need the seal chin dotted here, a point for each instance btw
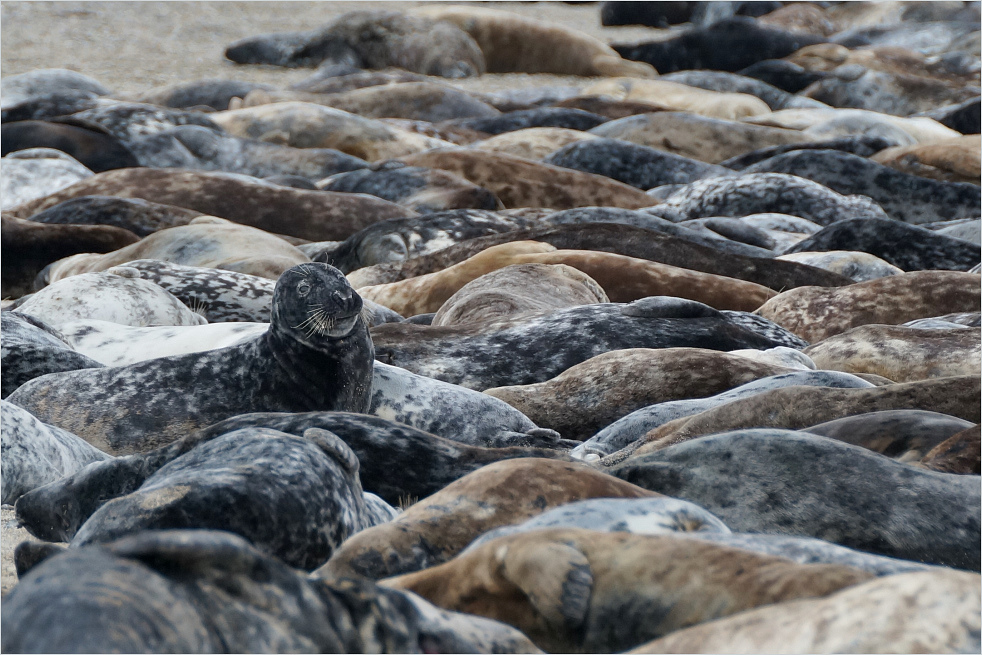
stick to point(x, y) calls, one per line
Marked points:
point(342, 327)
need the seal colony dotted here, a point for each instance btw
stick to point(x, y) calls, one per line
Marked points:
point(428, 352)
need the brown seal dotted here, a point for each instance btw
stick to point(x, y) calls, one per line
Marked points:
point(524, 183)
point(313, 215)
point(533, 142)
point(800, 17)
point(682, 97)
point(923, 612)
point(624, 279)
point(901, 354)
point(951, 160)
point(438, 527)
point(957, 454)
point(589, 396)
point(582, 591)
point(28, 247)
point(516, 290)
point(815, 313)
point(796, 408)
point(512, 43)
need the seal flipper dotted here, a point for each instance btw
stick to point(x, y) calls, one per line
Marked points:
point(29, 554)
point(335, 447)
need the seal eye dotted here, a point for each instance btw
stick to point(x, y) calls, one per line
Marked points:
point(303, 288)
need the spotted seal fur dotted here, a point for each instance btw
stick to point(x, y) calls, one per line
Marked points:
point(316, 355)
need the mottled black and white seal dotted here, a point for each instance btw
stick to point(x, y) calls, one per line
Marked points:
point(769, 192)
point(535, 348)
point(862, 145)
point(32, 174)
point(369, 39)
point(140, 217)
point(573, 119)
point(856, 265)
point(35, 454)
point(296, 498)
point(316, 355)
point(194, 591)
point(794, 483)
point(908, 247)
point(30, 348)
point(89, 144)
point(129, 120)
point(624, 431)
point(396, 462)
point(215, 93)
point(630, 163)
point(906, 197)
point(729, 82)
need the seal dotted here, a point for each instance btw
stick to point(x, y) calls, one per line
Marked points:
point(534, 349)
point(207, 241)
point(437, 528)
point(316, 355)
point(533, 142)
point(862, 145)
point(710, 140)
point(140, 217)
point(313, 215)
point(624, 279)
point(962, 117)
point(397, 462)
point(836, 123)
point(519, 182)
point(370, 39)
point(90, 145)
point(47, 81)
point(188, 591)
point(903, 434)
point(728, 45)
point(28, 247)
point(33, 174)
point(640, 166)
point(956, 396)
point(624, 431)
point(516, 290)
point(681, 97)
point(857, 266)
point(901, 354)
point(937, 523)
point(909, 198)
point(723, 82)
point(756, 193)
point(215, 93)
point(31, 348)
point(545, 47)
point(130, 120)
point(896, 613)
point(567, 589)
point(782, 74)
point(116, 295)
point(590, 396)
point(35, 454)
point(907, 247)
point(309, 125)
point(651, 516)
point(238, 483)
point(422, 190)
point(967, 229)
point(957, 454)
point(572, 119)
point(675, 246)
point(397, 239)
point(815, 314)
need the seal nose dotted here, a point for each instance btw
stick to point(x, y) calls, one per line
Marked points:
point(342, 296)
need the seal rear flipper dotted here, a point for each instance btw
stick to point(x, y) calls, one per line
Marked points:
point(334, 446)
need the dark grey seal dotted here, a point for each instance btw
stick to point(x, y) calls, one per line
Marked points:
point(538, 347)
point(769, 192)
point(316, 355)
point(864, 146)
point(906, 197)
point(964, 117)
point(784, 75)
point(732, 83)
point(34, 454)
point(795, 483)
point(91, 145)
point(296, 498)
point(194, 591)
point(30, 348)
point(140, 217)
point(572, 119)
point(909, 247)
point(640, 166)
point(214, 93)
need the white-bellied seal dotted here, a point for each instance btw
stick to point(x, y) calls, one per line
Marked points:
point(535, 348)
point(316, 355)
point(36, 173)
point(778, 481)
point(35, 454)
point(31, 348)
point(593, 394)
point(436, 528)
point(117, 295)
point(652, 516)
point(296, 498)
point(194, 591)
point(574, 590)
point(901, 354)
point(624, 431)
point(931, 611)
point(816, 313)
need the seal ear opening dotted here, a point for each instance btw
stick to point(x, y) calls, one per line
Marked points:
point(31, 553)
point(335, 447)
point(556, 579)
